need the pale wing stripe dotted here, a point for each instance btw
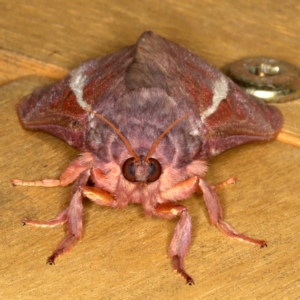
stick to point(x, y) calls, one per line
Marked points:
point(220, 91)
point(77, 83)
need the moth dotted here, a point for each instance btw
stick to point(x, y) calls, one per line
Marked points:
point(145, 119)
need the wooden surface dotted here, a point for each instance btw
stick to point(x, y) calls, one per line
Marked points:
point(123, 255)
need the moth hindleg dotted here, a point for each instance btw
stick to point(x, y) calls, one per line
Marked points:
point(61, 218)
point(69, 175)
point(216, 214)
point(182, 236)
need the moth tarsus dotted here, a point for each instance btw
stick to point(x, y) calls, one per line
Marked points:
point(146, 119)
point(50, 261)
point(190, 282)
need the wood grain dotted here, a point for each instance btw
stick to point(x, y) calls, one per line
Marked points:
point(123, 255)
point(15, 65)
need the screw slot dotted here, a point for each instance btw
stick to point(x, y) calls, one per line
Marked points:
point(266, 78)
point(264, 70)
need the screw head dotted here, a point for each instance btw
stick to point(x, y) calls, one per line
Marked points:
point(269, 79)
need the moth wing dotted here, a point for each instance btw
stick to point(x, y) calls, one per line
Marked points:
point(226, 116)
point(54, 109)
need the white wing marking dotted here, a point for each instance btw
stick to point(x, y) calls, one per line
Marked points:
point(220, 91)
point(77, 83)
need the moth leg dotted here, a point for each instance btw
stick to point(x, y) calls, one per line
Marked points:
point(98, 196)
point(61, 218)
point(181, 190)
point(222, 184)
point(184, 189)
point(72, 215)
point(215, 213)
point(182, 235)
point(73, 171)
point(74, 231)
point(74, 220)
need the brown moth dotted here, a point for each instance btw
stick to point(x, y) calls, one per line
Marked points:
point(146, 119)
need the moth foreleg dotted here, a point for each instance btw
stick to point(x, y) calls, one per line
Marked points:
point(215, 213)
point(98, 195)
point(220, 185)
point(181, 190)
point(182, 236)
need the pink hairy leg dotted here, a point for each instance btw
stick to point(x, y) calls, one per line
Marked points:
point(181, 190)
point(74, 231)
point(71, 215)
point(184, 189)
point(97, 195)
point(222, 184)
point(75, 168)
point(61, 218)
point(182, 235)
point(215, 213)
point(74, 214)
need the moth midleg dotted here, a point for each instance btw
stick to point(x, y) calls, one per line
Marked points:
point(74, 231)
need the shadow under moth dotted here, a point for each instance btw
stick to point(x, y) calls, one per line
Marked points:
point(145, 120)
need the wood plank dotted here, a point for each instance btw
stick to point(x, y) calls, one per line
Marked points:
point(14, 66)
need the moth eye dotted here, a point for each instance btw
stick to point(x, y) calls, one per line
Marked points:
point(154, 170)
point(128, 169)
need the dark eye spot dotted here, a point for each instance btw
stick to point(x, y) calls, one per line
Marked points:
point(154, 170)
point(128, 169)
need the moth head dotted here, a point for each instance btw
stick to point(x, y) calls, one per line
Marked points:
point(142, 170)
point(145, 169)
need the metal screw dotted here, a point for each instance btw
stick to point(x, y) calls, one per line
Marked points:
point(269, 79)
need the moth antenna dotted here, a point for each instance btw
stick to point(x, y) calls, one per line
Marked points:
point(155, 144)
point(117, 131)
